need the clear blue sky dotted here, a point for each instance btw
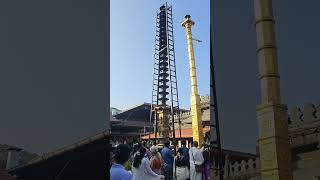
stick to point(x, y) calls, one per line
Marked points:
point(132, 47)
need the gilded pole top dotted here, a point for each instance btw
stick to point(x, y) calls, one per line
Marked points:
point(187, 21)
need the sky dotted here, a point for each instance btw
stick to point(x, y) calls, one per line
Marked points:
point(132, 33)
point(53, 72)
point(237, 68)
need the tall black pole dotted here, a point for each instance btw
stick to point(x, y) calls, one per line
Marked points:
point(215, 107)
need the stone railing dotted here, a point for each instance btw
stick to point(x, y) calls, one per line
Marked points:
point(241, 170)
point(304, 125)
point(205, 99)
point(298, 118)
point(244, 169)
point(183, 115)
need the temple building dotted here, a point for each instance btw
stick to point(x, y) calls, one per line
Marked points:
point(134, 123)
point(131, 124)
point(186, 123)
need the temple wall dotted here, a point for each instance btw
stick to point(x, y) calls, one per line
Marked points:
point(185, 117)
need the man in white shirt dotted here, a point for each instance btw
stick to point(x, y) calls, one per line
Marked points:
point(196, 158)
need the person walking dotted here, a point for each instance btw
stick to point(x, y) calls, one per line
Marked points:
point(196, 160)
point(167, 156)
point(185, 153)
point(181, 166)
point(141, 167)
point(155, 160)
point(117, 170)
point(206, 163)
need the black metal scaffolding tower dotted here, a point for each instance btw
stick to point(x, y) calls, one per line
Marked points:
point(165, 90)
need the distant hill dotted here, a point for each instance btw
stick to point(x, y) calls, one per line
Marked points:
point(26, 156)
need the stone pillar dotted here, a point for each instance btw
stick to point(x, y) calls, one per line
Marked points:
point(197, 131)
point(163, 126)
point(275, 153)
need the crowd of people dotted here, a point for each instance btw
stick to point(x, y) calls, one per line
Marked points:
point(141, 162)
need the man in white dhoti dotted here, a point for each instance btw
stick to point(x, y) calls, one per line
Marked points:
point(196, 158)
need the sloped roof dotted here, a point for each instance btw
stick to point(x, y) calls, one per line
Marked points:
point(86, 144)
point(141, 111)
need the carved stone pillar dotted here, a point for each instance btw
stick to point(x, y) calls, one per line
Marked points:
point(275, 153)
